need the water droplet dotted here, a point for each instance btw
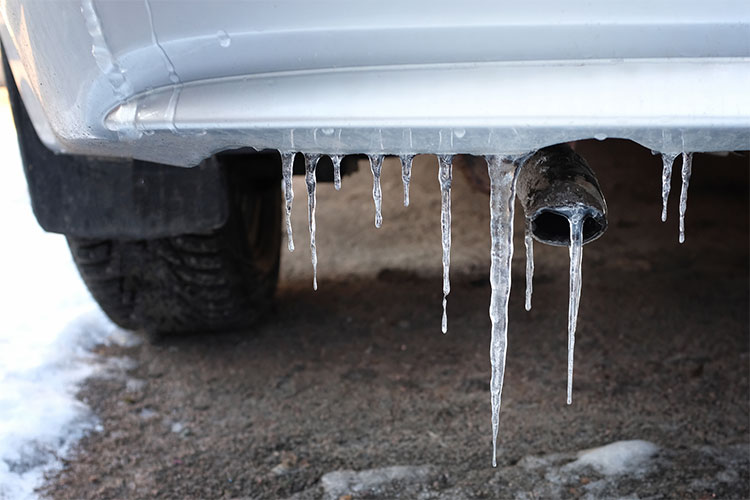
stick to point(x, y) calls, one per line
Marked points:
point(600, 136)
point(173, 76)
point(327, 131)
point(459, 132)
point(105, 60)
point(224, 39)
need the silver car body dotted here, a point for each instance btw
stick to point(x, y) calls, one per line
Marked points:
point(175, 81)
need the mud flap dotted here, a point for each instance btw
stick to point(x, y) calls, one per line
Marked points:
point(95, 197)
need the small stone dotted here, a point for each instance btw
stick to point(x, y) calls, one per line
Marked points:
point(147, 413)
point(288, 461)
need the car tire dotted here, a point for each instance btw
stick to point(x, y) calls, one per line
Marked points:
point(216, 280)
point(221, 280)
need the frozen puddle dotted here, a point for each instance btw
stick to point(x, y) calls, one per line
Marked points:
point(49, 324)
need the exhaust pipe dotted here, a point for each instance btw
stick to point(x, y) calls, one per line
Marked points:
point(556, 185)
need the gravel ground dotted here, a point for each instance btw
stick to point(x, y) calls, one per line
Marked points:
point(353, 392)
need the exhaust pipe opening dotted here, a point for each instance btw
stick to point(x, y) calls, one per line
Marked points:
point(553, 227)
point(556, 184)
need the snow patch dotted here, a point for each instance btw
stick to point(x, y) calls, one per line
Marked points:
point(342, 482)
point(620, 457)
point(601, 472)
point(49, 326)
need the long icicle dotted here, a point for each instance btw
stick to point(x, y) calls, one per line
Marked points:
point(503, 174)
point(576, 258)
point(376, 166)
point(336, 160)
point(445, 176)
point(406, 163)
point(311, 163)
point(667, 160)
point(687, 169)
point(529, 243)
point(287, 166)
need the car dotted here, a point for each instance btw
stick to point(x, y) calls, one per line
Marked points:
point(113, 100)
point(154, 134)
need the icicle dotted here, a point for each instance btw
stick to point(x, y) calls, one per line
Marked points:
point(667, 160)
point(311, 163)
point(287, 165)
point(687, 169)
point(376, 165)
point(336, 159)
point(576, 256)
point(445, 176)
point(503, 174)
point(529, 242)
point(406, 162)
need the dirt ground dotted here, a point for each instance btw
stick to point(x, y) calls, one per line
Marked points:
point(357, 375)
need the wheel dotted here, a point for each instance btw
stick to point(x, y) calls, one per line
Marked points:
point(220, 279)
point(216, 281)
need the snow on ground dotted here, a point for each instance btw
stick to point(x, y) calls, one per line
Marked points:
point(621, 457)
point(598, 472)
point(49, 324)
point(340, 483)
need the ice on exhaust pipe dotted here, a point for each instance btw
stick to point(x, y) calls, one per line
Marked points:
point(584, 213)
point(528, 241)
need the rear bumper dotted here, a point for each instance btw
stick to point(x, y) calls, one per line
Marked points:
point(478, 109)
point(173, 82)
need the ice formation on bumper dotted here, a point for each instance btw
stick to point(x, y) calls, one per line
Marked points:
point(666, 182)
point(503, 174)
point(287, 165)
point(311, 163)
point(376, 166)
point(445, 177)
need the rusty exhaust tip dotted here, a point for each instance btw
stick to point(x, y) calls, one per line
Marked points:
point(555, 183)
